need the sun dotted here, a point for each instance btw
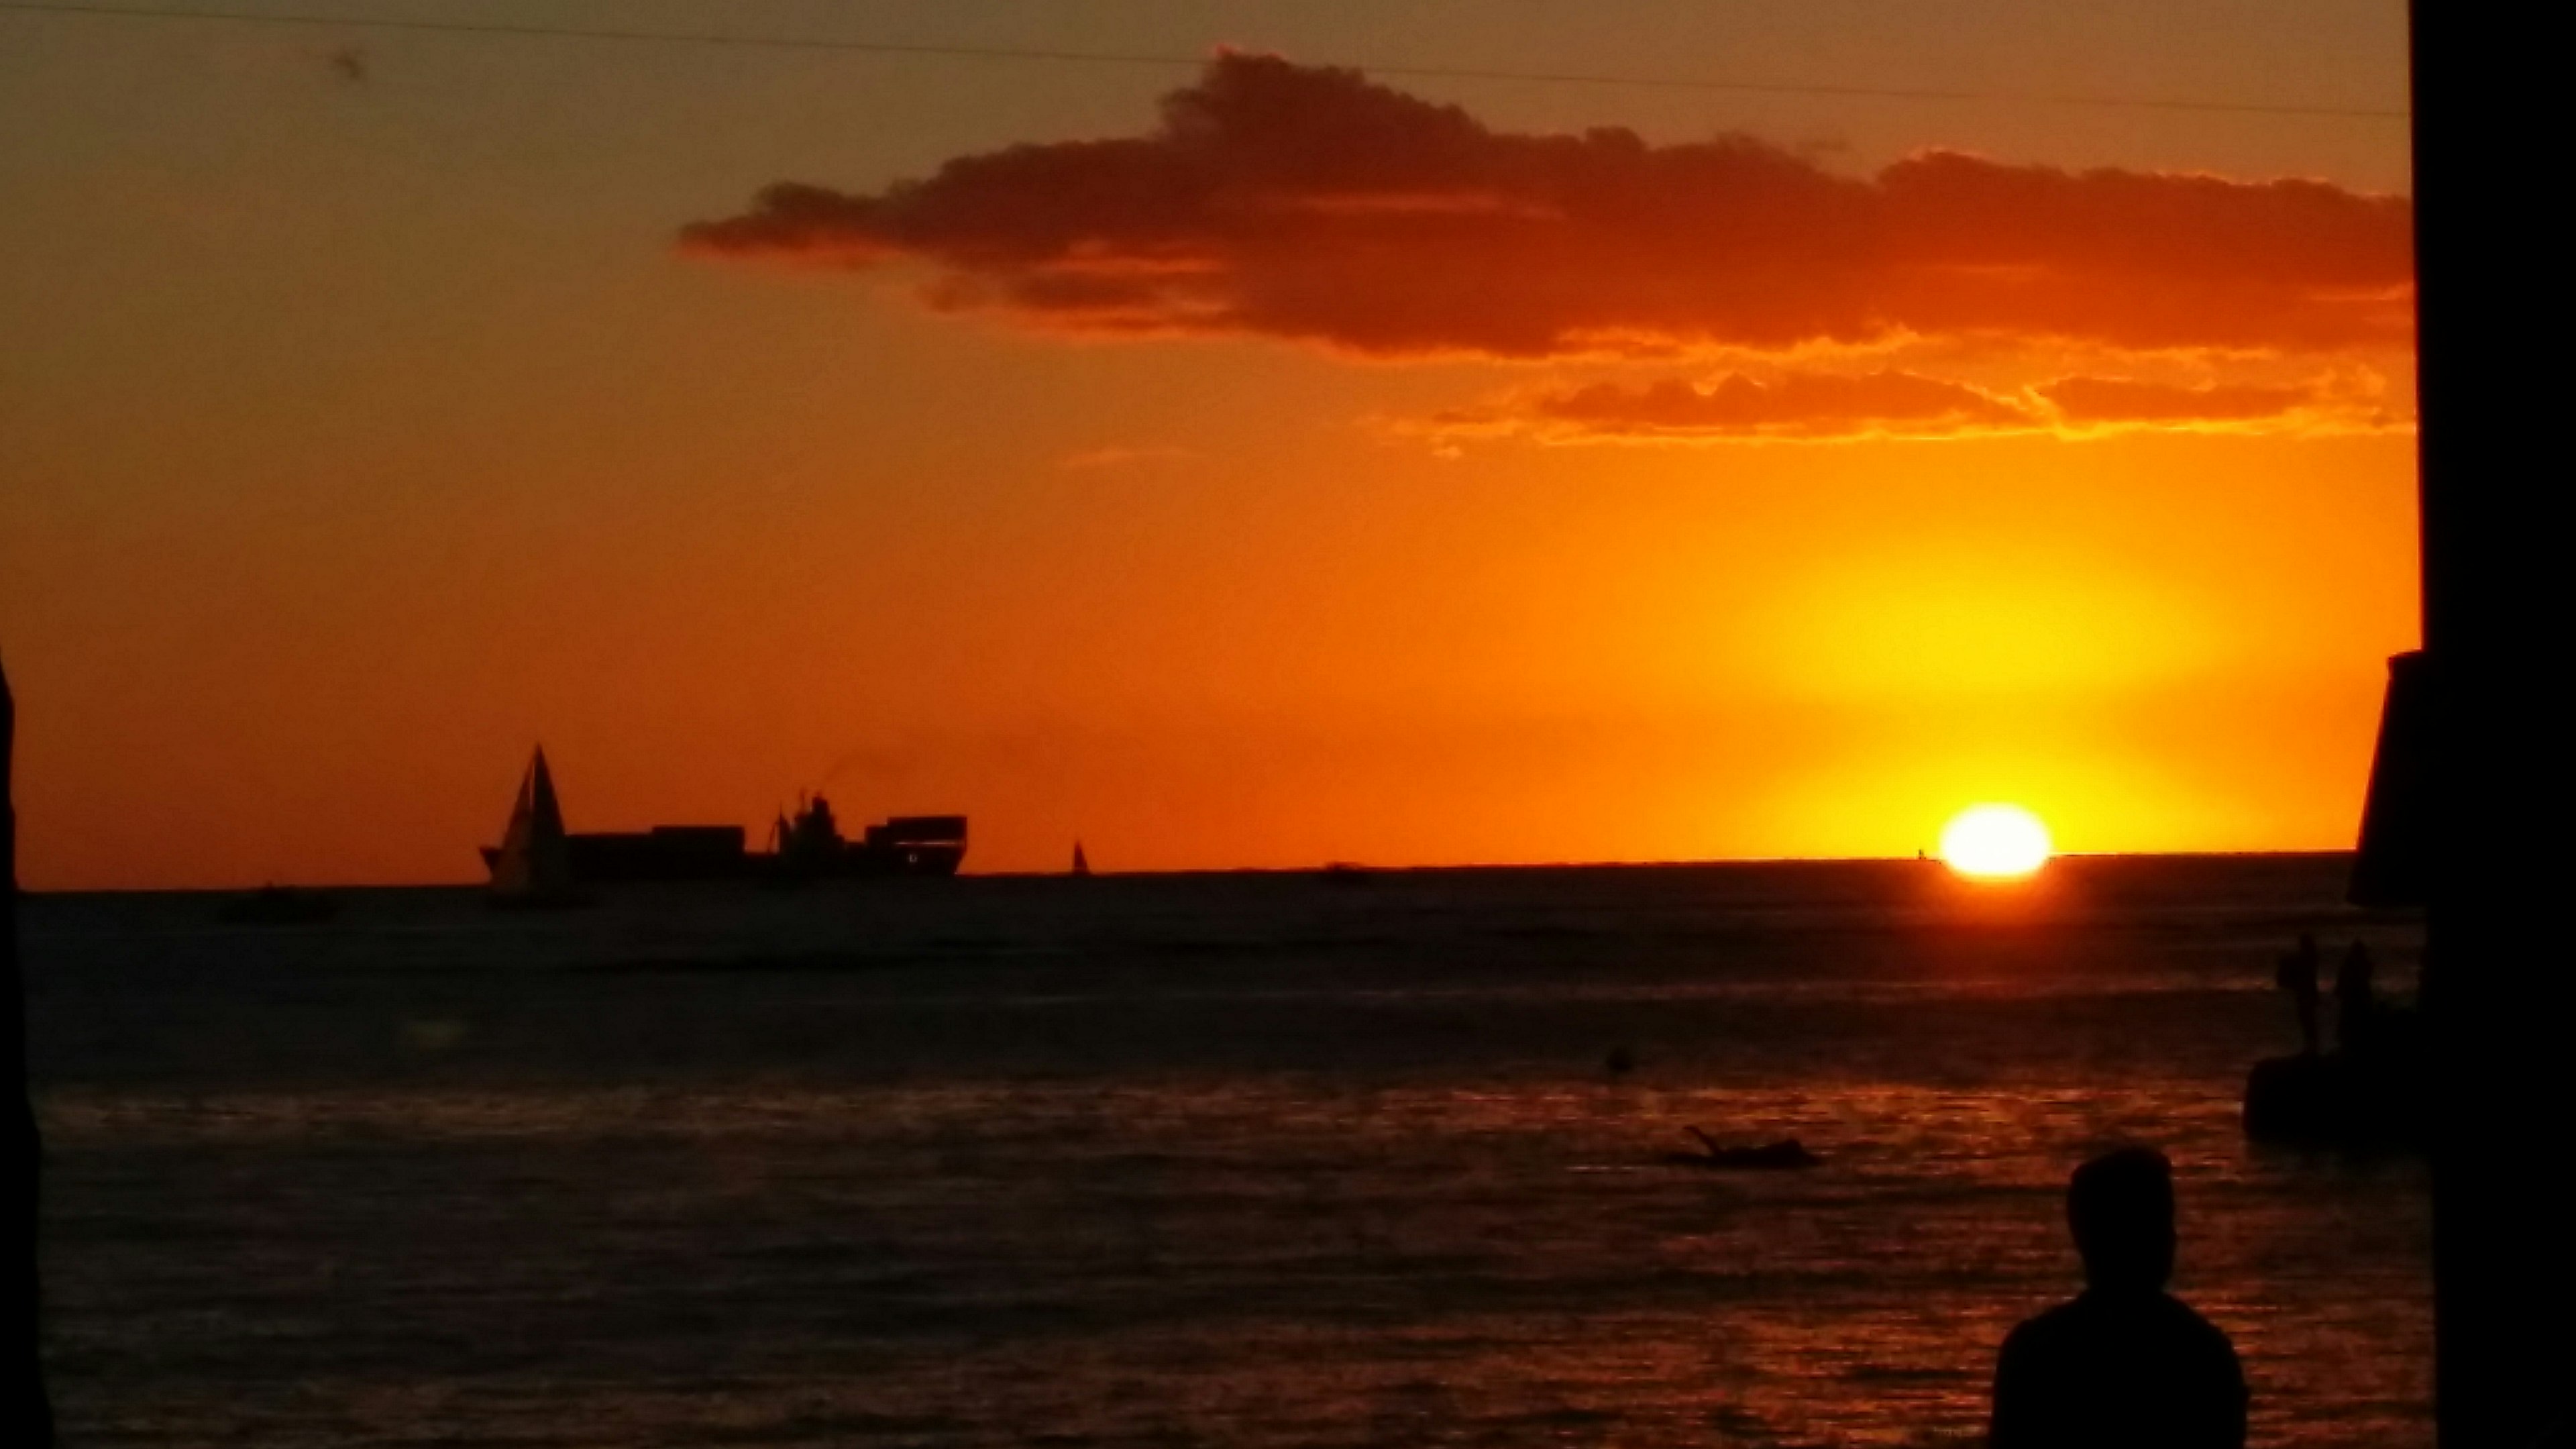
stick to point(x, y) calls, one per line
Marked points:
point(1995, 841)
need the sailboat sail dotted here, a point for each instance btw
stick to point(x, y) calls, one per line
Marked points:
point(534, 862)
point(1081, 866)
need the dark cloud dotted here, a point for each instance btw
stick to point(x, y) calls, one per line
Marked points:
point(1301, 203)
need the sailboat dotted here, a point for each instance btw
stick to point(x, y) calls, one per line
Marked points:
point(1080, 865)
point(533, 866)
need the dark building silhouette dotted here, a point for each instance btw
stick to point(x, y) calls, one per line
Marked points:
point(2124, 1364)
point(2489, 112)
point(26, 1415)
point(2390, 867)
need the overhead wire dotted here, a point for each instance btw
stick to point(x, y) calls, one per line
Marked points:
point(739, 40)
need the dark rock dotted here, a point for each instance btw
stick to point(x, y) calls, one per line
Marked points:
point(2337, 1099)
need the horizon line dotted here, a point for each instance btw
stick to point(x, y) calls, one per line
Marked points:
point(1317, 868)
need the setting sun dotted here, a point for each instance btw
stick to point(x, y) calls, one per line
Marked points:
point(1995, 840)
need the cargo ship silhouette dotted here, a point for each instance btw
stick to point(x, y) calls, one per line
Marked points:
point(538, 861)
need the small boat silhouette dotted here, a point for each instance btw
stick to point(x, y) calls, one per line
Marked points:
point(532, 869)
point(277, 905)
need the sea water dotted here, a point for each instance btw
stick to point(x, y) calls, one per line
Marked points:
point(1248, 1160)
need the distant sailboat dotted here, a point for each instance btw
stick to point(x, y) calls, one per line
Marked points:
point(533, 867)
point(1081, 866)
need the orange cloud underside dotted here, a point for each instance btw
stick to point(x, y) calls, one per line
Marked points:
point(1830, 406)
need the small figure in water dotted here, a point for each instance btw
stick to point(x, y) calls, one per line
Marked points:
point(2297, 975)
point(1788, 1152)
point(2124, 1365)
point(2355, 1007)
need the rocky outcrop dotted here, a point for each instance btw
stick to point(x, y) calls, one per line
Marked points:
point(2339, 1099)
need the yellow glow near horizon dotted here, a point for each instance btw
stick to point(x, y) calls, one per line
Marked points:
point(1995, 842)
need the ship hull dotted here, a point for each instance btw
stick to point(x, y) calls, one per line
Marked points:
point(623, 864)
point(861, 862)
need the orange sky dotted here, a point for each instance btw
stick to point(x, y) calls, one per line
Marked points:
point(1301, 467)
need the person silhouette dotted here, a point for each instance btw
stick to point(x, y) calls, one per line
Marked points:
point(2355, 1006)
point(2124, 1364)
point(2297, 975)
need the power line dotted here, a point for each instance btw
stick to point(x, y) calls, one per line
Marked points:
point(1093, 57)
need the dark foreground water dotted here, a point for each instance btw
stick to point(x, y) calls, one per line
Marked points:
point(1249, 1160)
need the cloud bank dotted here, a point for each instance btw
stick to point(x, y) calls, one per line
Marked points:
point(1798, 405)
point(1311, 205)
point(1830, 407)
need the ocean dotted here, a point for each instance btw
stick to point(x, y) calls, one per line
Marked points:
point(1260, 1160)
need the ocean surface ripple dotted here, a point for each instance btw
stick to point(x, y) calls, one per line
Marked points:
point(1278, 1161)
